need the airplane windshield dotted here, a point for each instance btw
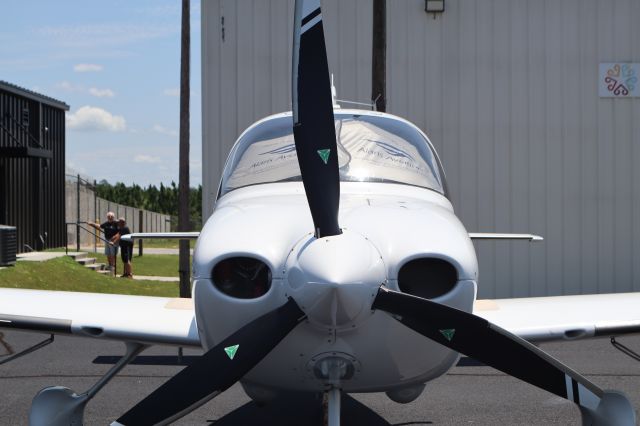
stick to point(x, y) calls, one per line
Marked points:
point(370, 149)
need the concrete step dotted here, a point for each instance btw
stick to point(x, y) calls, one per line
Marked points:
point(104, 272)
point(76, 255)
point(96, 266)
point(86, 261)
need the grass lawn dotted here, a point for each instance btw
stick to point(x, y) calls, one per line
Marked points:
point(65, 274)
point(158, 265)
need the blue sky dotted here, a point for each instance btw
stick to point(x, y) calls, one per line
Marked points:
point(117, 64)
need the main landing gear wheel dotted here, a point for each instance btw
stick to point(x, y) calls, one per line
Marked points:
point(60, 406)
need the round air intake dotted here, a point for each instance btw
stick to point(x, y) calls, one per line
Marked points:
point(427, 277)
point(242, 277)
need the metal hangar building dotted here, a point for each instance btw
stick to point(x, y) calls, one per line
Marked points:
point(32, 163)
point(532, 106)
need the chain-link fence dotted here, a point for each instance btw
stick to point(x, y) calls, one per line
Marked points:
point(83, 205)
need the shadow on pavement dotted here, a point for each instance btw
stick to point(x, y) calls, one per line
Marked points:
point(299, 409)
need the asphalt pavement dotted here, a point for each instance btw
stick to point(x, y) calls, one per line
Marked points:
point(476, 395)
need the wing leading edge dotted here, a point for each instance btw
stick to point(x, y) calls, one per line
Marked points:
point(540, 319)
point(143, 319)
point(171, 321)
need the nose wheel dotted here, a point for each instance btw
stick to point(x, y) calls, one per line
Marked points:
point(331, 407)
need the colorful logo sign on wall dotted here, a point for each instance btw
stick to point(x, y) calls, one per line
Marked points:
point(619, 80)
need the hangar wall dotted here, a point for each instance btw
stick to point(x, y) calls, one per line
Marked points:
point(33, 177)
point(507, 90)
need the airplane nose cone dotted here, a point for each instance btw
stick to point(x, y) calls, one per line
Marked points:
point(334, 279)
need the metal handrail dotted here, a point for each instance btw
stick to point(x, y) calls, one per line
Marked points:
point(95, 234)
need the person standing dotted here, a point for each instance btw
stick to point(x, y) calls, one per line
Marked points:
point(110, 229)
point(126, 247)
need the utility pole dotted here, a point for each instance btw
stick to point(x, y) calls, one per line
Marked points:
point(183, 183)
point(379, 55)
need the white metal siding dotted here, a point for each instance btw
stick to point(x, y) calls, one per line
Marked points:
point(507, 91)
point(248, 75)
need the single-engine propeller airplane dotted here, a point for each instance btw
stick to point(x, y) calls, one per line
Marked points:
point(333, 247)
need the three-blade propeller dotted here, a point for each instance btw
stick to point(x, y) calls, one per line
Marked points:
point(315, 141)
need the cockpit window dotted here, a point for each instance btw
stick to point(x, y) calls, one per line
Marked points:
point(370, 149)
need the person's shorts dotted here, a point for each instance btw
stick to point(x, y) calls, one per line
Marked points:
point(126, 253)
point(110, 250)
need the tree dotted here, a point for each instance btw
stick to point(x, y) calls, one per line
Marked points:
point(161, 200)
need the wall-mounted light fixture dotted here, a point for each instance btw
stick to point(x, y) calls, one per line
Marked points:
point(434, 6)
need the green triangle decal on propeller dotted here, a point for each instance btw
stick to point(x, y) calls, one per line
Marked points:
point(324, 154)
point(231, 350)
point(448, 333)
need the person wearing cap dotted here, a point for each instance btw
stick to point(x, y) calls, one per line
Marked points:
point(110, 229)
point(126, 247)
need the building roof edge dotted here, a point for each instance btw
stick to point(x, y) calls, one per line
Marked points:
point(30, 94)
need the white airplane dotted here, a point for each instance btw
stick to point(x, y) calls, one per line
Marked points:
point(332, 249)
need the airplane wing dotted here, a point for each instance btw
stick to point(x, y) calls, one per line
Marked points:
point(171, 321)
point(143, 319)
point(161, 235)
point(540, 319)
point(503, 236)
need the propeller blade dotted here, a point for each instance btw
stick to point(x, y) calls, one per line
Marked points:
point(313, 122)
point(496, 347)
point(216, 370)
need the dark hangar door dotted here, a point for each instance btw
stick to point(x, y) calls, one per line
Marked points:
point(3, 195)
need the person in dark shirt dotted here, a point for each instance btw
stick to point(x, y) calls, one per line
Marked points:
point(126, 247)
point(110, 229)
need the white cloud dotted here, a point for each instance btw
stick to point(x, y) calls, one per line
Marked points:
point(95, 119)
point(93, 91)
point(164, 131)
point(87, 68)
point(171, 92)
point(101, 93)
point(147, 159)
point(70, 87)
point(93, 36)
